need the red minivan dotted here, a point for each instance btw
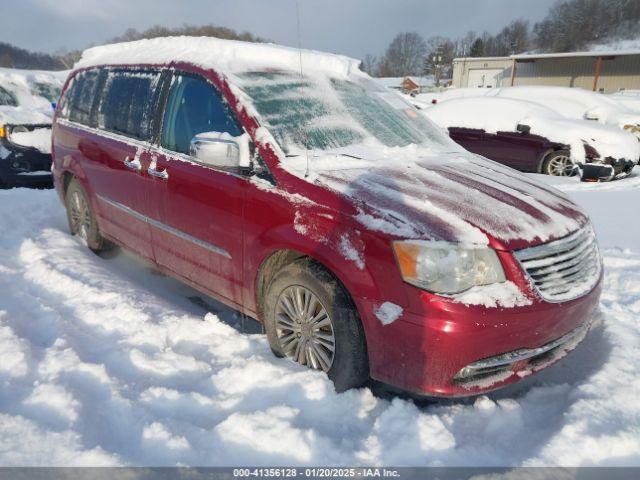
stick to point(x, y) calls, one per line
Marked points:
point(290, 186)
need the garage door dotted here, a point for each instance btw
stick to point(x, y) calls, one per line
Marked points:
point(485, 78)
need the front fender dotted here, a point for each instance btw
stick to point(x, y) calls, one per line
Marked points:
point(363, 262)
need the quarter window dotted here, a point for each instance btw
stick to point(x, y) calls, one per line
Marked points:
point(82, 96)
point(194, 106)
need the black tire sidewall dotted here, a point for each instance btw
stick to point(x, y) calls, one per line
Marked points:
point(350, 364)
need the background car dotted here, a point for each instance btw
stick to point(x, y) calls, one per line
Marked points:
point(533, 138)
point(26, 100)
point(575, 103)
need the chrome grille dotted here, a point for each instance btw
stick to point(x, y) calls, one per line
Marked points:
point(563, 269)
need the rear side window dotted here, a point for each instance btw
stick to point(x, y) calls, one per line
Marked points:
point(82, 96)
point(129, 103)
point(7, 98)
point(194, 107)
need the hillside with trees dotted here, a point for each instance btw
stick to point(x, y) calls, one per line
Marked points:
point(570, 25)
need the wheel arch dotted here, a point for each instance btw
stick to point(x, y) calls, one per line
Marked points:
point(280, 258)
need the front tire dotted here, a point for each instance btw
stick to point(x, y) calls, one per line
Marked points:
point(559, 164)
point(82, 221)
point(310, 319)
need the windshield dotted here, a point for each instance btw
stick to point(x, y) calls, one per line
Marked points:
point(47, 90)
point(7, 98)
point(321, 113)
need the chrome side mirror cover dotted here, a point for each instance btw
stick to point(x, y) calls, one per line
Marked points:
point(220, 150)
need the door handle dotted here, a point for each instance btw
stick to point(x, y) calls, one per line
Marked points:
point(133, 164)
point(158, 173)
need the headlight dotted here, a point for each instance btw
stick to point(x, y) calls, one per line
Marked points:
point(447, 268)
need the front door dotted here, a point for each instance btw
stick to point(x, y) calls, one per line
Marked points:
point(199, 234)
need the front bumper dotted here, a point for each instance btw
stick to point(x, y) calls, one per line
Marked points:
point(603, 172)
point(428, 348)
point(22, 166)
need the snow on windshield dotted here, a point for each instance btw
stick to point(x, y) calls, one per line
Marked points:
point(322, 113)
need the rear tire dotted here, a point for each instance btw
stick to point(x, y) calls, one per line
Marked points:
point(82, 221)
point(310, 318)
point(559, 164)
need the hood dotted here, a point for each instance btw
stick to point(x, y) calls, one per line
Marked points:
point(454, 197)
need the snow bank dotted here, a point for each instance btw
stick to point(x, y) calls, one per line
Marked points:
point(224, 55)
point(39, 138)
point(617, 45)
point(71, 394)
point(497, 114)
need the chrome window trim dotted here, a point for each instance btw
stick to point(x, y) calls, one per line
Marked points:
point(166, 228)
point(105, 133)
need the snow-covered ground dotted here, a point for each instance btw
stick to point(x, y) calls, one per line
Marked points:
point(103, 361)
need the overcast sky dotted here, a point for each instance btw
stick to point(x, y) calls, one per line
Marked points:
point(351, 27)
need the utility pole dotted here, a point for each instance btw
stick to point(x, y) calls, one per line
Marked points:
point(437, 65)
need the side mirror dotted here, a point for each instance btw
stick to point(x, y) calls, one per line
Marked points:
point(524, 129)
point(220, 150)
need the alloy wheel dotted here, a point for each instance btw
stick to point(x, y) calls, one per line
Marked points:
point(561, 166)
point(80, 215)
point(304, 328)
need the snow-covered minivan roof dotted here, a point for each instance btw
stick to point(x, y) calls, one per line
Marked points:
point(221, 55)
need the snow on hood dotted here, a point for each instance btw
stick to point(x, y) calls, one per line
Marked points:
point(23, 116)
point(222, 55)
point(494, 114)
point(39, 138)
point(455, 197)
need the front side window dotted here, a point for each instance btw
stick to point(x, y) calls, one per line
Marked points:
point(129, 102)
point(194, 106)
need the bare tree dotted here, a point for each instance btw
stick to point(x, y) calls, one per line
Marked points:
point(370, 64)
point(405, 56)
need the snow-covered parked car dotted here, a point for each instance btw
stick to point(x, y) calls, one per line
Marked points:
point(532, 138)
point(577, 103)
point(367, 241)
point(26, 99)
point(619, 110)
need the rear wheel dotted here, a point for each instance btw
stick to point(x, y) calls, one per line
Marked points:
point(81, 220)
point(310, 319)
point(559, 164)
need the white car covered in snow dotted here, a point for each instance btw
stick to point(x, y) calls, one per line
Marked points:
point(507, 130)
point(26, 109)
